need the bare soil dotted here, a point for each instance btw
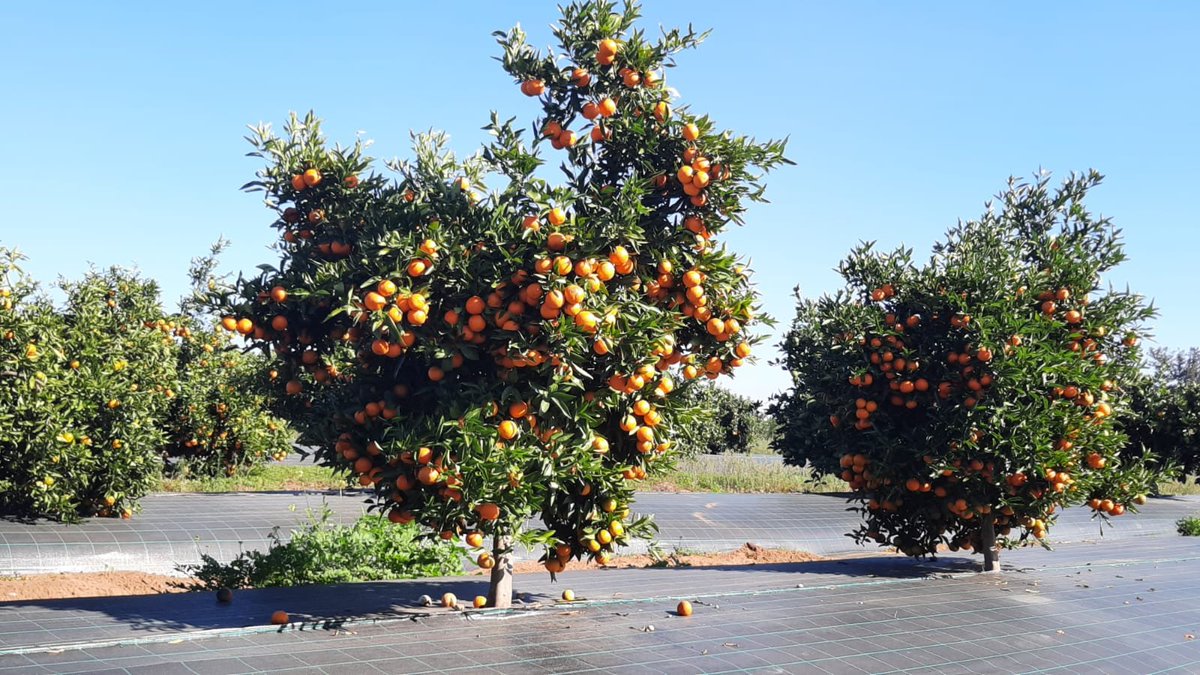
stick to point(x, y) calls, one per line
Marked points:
point(748, 554)
point(84, 585)
point(105, 584)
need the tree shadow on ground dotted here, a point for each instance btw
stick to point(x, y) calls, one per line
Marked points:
point(97, 620)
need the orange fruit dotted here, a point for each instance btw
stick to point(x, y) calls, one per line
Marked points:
point(606, 52)
point(508, 430)
point(684, 608)
point(428, 475)
point(488, 511)
point(533, 87)
point(518, 409)
point(374, 301)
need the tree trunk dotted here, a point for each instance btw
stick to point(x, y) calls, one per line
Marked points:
point(987, 543)
point(500, 592)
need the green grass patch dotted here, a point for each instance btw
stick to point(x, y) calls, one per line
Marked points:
point(267, 478)
point(322, 551)
point(739, 474)
point(1189, 527)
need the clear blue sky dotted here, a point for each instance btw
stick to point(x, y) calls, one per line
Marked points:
point(123, 122)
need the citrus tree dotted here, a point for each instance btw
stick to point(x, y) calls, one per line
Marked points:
point(725, 422)
point(1164, 411)
point(494, 354)
point(967, 399)
point(83, 388)
point(221, 421)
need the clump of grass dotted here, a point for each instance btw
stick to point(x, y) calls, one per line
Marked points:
point(323, 551)
point(268, 478)
point(1189, 527)
point(1178, 488)
point(739, 474)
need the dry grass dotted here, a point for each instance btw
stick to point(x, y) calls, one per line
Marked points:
point(1179, 488)
point(733, 473)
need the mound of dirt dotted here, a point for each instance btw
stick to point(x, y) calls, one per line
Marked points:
point(84, 585)
point(747, 554)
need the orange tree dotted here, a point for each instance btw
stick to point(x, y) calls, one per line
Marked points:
point(484, 359)
point(727, 423)
point(220, 422)
point(82, 391)
point(966, 400)
point(1164, 411)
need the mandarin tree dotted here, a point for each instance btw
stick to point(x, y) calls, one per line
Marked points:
point(1164, 411)
point(970, 398)
point(221, 421)
point(483, 347)
point(83, 389)
point(726, 422)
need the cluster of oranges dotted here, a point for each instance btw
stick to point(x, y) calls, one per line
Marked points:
point(893, 374)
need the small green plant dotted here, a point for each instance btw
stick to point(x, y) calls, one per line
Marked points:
point(660, 559)
point(325, 552)
point(1189, 527)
